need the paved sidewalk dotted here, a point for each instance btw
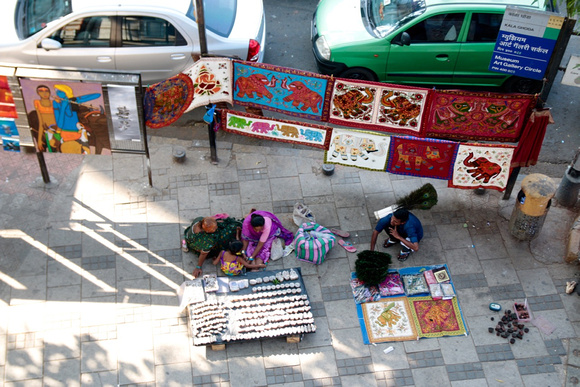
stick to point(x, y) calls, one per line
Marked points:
point(91, 262)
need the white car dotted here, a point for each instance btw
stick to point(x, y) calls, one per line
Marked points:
point(153, 37)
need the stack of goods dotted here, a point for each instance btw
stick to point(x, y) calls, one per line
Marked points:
point(392, 285)
point(415, 284)
point(509, 327)
point(363, 293)
point(439, 284)
point(263, 306)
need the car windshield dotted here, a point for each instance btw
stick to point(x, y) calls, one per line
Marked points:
point(383, 16)
point(33, 15)
point(219, 15)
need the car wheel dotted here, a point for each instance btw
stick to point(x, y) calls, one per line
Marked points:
point(523, 85)
point(359, 73)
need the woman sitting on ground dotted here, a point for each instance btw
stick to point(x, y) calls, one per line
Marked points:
point(208, 236)
point(232, 262)
point(259, 230)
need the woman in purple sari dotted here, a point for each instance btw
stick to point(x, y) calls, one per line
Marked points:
point(259, 230)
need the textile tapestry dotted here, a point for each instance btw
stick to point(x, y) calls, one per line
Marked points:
point(7, 106)
point(357, 148)
point(482, 166)
point(166, 101)
point(422, 157)
point(212, 81)
point(277, 130)
point(388, 320)
point(293, 92)
point(378, 106)
point(478, 116)
point(437, 318)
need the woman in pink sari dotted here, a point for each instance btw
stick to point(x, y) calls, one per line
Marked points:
point(259, 230)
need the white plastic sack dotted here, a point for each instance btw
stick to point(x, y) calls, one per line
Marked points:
point(302, 214)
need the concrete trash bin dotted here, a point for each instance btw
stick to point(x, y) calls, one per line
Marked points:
point(532, 205)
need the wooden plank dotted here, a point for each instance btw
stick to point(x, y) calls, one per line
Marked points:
point(293, 339)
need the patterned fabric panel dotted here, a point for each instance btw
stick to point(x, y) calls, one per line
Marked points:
point(212, 81)
point(357, 148)
point(378, 106)
point(437, 318)
point(166, 101)
point(294, 92)
point(422, 157)
point(276, 130)
point(482, 166)
point(389, 320)
point(478, 116)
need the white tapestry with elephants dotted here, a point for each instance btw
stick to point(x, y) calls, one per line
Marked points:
point(212, 81)
point(482, 166)
point(358, 148)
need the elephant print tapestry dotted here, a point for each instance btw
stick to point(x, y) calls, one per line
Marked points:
point(466, 115)
point(280, 89)
point(482, 166)
point(277, 130)
point(422, 157)
point(66, 117)
point(212, 81)
point(388, 320)
point(357, 148)
point(378, 106)
point(166, 101)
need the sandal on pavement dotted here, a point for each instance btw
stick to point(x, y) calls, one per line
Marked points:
point(403, 257)
point(388, 243)
point(340, 233)
point(347, 246)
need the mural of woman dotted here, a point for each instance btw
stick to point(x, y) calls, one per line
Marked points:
point(44, 112)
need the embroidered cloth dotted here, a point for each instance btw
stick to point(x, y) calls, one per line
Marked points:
point(276, 130)
point(482, 166)
point(212, 81)
point(378, 106)
point(422, 157)
point(478, 116)
point(437, 318)
point(166, 101)
point(294, 92)
point(388, 320)
point(357, 148)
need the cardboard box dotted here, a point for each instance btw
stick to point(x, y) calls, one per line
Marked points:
point(522, 310)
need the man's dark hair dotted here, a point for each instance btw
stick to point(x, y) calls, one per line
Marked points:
point(401, 214)
point(257, 220)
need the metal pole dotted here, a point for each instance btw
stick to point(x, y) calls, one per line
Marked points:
point(511, 182)
point(41, 162)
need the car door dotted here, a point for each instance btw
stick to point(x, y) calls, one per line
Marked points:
point(431, 56)
point(152, 46)
point(473, 61)
point(85, 42)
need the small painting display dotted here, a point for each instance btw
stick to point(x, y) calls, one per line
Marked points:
point(357, 148)
point(66, 117)
point(124, 113)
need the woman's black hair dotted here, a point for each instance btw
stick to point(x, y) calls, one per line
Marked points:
point(235, 246)
point(257, 220)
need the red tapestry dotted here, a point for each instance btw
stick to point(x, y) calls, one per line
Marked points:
point(422, 157)
point(166, 101)
point(7, 106)
point(436, 318)
point(478, 116)
point(530, 144)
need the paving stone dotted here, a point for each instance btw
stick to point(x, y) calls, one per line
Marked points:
point(537, 365)
point(333, 293)
point(425, 359)
point(496, 352)
point(547, 302)
point(464, 281)
point(395, 378)
point(320, 382)
point(99, 263)
point(507, 292)
point(555, 347)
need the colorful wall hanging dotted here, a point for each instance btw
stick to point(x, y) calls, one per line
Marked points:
point(166, 101)
point(212, 81)
point(530, 144)
point(277, 130)
point(66, 117)
point(422, 157)
point(7, 106)
point(466, 115)
point(437, 318)
point(482, 166)
point(378, 106)
point(388, 320)
point(294, 92)
point(357, 148)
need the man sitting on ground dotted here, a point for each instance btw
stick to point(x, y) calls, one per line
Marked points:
point(400, 226)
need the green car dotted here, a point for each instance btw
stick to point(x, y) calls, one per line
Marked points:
point(421, 42)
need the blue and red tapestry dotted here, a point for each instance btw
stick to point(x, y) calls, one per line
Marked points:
point(422, 157)
point(378, 106)
point(166, 101)
point(293, 92)
point(466, 115)
point(276, 130)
